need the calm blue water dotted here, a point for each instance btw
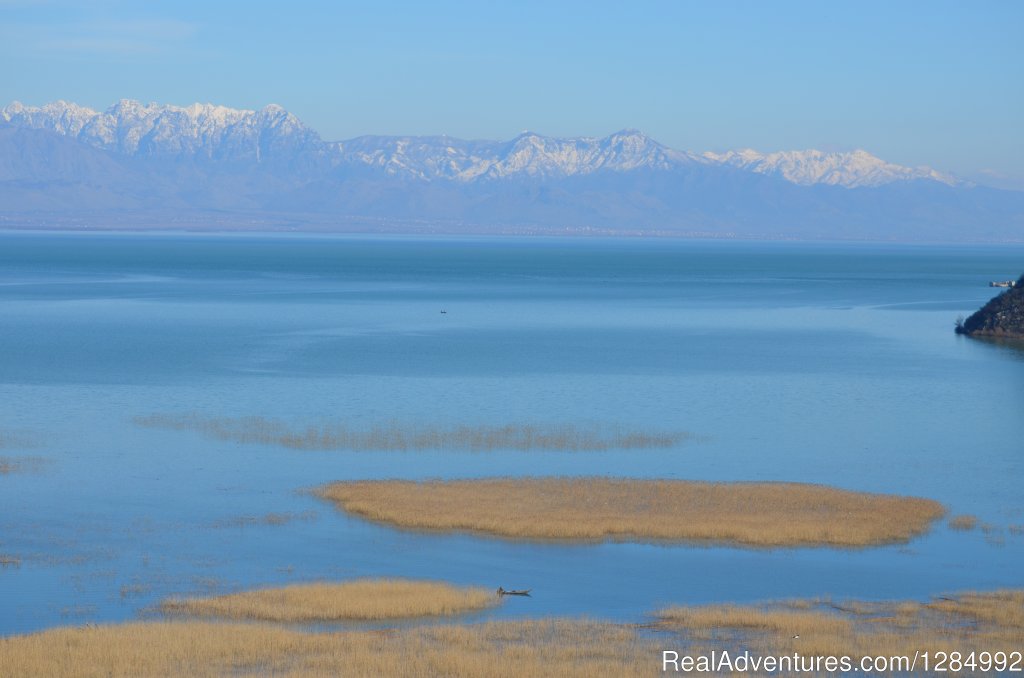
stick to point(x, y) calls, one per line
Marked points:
point(821, 363)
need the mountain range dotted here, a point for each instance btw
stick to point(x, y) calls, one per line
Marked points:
point(204, 166)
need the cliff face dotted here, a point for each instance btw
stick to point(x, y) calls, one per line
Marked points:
point(1003, 316)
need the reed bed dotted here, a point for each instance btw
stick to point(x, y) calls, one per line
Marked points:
point(751, 514)
point(968, 622)
point(267, 520)
point(365, 599)
point(397, 436)
point(990, 622)
point(964, 523)
point(19, 464)
point(548, 648)
point(16, 439)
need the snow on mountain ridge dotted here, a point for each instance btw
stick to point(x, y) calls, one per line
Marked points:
point(528, 155)
point(58, 116)
point(208, 131)
point(538, 156)
point(199, 130)
point(848, 169)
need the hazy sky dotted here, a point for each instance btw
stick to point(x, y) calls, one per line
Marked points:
point(937, 83)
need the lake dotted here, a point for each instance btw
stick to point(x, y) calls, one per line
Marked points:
point(827, 363)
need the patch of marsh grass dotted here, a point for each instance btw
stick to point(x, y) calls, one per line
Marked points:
point(752, 514)
point(542, 648)
point(980, 622)
point(989, 622)
point(16, 440)
point(135, 589)
point(78, 611)
point(963, 522)
point(19, 464)
point(364, 599)
point(268, 519)
point(397, 436)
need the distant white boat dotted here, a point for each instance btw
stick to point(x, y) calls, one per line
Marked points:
point(1003, 283)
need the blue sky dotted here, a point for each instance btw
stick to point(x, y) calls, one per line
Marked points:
point(937, 83)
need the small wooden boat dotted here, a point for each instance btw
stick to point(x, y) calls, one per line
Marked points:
point(522, 592)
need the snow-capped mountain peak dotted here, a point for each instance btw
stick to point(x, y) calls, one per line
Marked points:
point(850, 169)
point(59, 116)
point(209, 166)
point(200, 130)
point(533, 155)
point(209, 131)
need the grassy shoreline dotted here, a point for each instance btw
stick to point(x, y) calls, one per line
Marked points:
point(986, 621)
point(506, 649)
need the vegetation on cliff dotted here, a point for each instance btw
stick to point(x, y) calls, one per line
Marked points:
point(1003, 316)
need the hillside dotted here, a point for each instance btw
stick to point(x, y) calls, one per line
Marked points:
point(1003, 316)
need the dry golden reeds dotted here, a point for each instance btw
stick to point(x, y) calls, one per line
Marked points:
point(559, 649)
point(753, 514)
point(972, 621)
point(363, 599)
point(980, 622)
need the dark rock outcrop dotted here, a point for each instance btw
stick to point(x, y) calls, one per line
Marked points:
point(1002, 317)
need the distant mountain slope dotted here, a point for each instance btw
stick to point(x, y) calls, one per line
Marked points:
point(855, 169)
point(266, 169)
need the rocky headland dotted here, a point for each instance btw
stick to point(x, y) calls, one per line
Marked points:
point(1001, 317)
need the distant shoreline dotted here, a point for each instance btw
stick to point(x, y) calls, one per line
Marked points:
point(329, 231)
